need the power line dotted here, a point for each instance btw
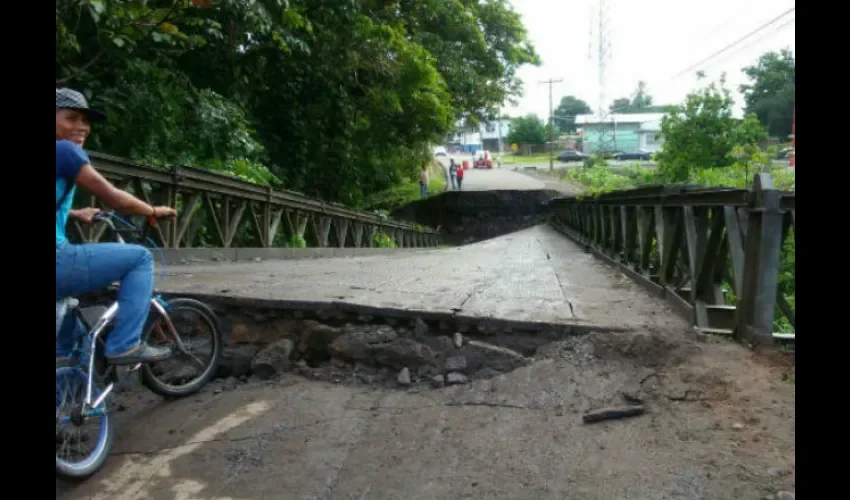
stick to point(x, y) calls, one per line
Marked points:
point(736, 42)
point(757, 40)
point(748, 35)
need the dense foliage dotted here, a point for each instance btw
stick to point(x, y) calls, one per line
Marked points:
point(566, 112)
point(771, 92)
point(336, 99)
point(702, 134)
point(528, 129)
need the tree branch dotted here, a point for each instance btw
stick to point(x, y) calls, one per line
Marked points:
point(87, 65)
point(82, 68)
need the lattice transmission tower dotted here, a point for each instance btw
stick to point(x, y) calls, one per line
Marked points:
point(599, 50)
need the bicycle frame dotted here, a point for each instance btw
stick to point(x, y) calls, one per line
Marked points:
point(157, 303)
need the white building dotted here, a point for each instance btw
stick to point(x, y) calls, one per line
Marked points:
point(487, 136)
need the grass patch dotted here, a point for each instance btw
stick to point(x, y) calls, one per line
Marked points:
point(510, 159)
point(401, 195)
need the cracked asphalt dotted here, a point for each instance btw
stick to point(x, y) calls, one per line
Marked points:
point(534, 275)
point(719, 421)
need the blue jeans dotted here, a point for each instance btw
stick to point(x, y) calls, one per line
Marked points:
point(93, 267)
point(454, 181)
point(423, 190)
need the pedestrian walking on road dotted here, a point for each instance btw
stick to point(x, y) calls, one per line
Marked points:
point(460, 179)
point(453, 174)
point(423, 182)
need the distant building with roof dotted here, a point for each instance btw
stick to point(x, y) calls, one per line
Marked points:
point(622, 132)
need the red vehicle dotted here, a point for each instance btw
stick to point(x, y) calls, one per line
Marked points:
point(483, 160)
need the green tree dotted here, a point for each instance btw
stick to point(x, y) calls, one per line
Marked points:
point(621, 105)
point(702, 134)
point(641, 101)
point(478, 46)
point(528, 129)
point(565, 113)
point(335, 99)
point(771, 91)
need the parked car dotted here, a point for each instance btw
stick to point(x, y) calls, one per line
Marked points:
point(572, 156)
point(440, 152)
point(483, 159)
point(634, 155)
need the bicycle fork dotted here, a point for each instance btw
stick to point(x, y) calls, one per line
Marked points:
point(89, 407)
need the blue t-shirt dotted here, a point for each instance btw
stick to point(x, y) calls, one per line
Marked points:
point(70, 159)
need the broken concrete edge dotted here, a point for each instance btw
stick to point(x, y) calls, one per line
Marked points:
point(679, 304)
point(174, 256)
point(457, 322)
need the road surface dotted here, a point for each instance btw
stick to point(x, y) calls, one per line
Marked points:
point(575, 164)
point(495, 178)
point(546, 278)
point(719, 420)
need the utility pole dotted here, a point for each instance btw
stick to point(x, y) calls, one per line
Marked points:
point(499, 132)
point(792, 161)
point(551, 123)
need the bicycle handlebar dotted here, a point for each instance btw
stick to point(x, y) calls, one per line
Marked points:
point(108, 217)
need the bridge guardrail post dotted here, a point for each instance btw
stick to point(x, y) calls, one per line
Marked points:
point(762, 253)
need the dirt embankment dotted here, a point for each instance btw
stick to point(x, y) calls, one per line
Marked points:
point(470, 216)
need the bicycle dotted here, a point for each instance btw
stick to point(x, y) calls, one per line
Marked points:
point(87, 369)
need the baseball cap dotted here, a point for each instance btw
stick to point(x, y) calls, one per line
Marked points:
point(71, 99)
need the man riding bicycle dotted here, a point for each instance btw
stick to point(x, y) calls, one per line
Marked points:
point(91, 267)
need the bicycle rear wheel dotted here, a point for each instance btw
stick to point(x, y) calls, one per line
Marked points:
point(186, 372)
point(78, 464)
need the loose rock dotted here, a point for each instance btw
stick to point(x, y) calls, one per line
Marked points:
point(612, 413)
point(404, 352)
point(438, 381)
point(236, 361)
point(230, 383)
point(784, 495)
point(381, 345)
point(420, 327)
point(404, 377)
point(737, 426)
point(455, 363)
point(497, 349)
point(272, 359)
point(456, 378)
point(238, 332)
point(317, 337)
point(357, 344)
point(458, 340)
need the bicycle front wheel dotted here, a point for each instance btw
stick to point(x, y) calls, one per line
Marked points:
point(185, 373)
point(82, 446)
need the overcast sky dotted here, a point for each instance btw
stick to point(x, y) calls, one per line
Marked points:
point(651, 40)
